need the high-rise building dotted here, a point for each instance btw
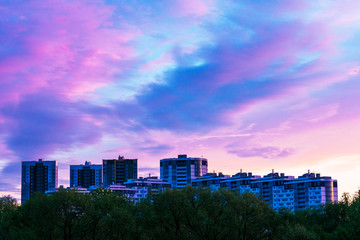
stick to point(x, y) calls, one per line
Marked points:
point(181, 170)
point(38, 176)
point(311, 189)
point(87, 175)
point(241, 182)
point(119, 170)
point(282, 191)
point(210, 180)
point(276, 189)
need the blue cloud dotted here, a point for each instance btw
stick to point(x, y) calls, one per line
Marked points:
point(42, 123)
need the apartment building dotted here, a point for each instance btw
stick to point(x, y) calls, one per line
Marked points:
point(277, 189)
point(118, 171)
point(311, 189)
point(211, 180)
point(38, 176)
point(180, 171)
point(84, 176)
point(241, 182)
point(146, 186)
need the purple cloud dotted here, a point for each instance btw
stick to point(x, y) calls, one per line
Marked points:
point(42, 123)
point(52, 45)
point(233, 75)
point(157, 149)
point(151, 77)
point(269, 152)
point(148, 169)
point(73, 56)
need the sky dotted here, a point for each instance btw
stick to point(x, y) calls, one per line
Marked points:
point(251, 85)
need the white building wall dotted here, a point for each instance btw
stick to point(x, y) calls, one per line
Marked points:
point(192, 171)
point(169, 179)
point(203, 170)
point(181, 176)
point(283, 198)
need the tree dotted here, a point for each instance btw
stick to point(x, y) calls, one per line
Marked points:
point(201, 214)
point(251, 217)
point(8, 215)
point(165, 220)
point(350, 227)
point(295, 232)
point(57, 216)
point(117, 216)
point(206, 213)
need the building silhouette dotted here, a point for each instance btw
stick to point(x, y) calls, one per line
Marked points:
point(181, 170)
point(210, 180)
point(119, 170)
point(38, 176)
point(282, 191)
point(120, 176)
point(311, 189)
point(84, 176)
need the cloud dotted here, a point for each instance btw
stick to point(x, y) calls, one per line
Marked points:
point(49, 44)
point(7, 183)
point(150, 77)
point(43, 123)
point(156, 149)
point(268, 152)
point(194, 8)
point(232, 76)
point(54, 49)
point(148, 169)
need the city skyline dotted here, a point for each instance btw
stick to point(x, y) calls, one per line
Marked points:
point(247, 85)
point(120, 176)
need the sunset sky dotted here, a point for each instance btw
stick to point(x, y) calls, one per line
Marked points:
point(252, 85)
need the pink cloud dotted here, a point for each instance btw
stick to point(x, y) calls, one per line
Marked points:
point(354, 71)
point(284, 43)
point(59, 52)
point(71, 46)
point(195, 8)
point(268, 152)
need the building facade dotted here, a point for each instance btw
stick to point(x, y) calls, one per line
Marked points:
point(146, 186)
point(84, 176)
point(276, 189)
point(241, 182)
point(38, 176)
point(118, 171)
point(282, 191)
point(210, 180)
point(311, 189)
point(123, 190)
point(181, 170)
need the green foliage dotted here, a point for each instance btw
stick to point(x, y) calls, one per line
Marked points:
point(189, 213)
point(8, 215)
point(295, 232)
point(7, 204)
point(201, 214)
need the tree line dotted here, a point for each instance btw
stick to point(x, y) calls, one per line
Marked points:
point(189, 214)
